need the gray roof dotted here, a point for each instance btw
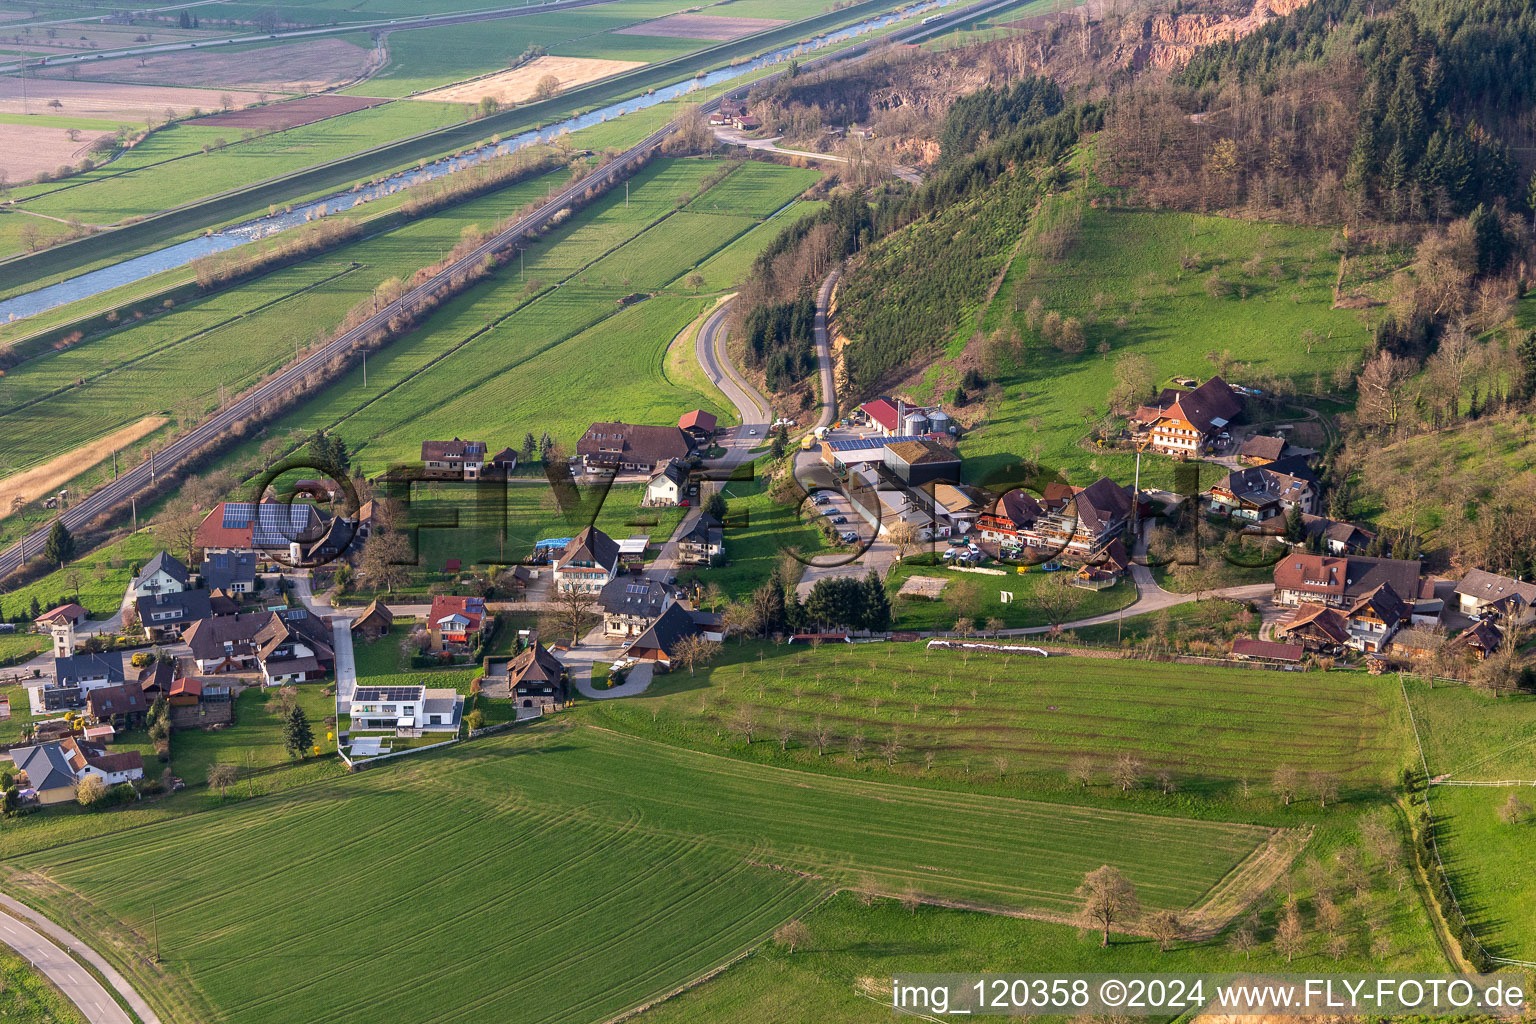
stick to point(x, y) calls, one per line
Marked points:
point(45, 765)
point(89, 666)
point(635, 595)
point(191, 605)
point(1491, 588)
point(222, 570)
point(166, 563)
point(675, 624)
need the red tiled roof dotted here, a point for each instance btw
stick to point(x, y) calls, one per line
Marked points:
point(472, 608)
point(698, 419)
point(69, 609)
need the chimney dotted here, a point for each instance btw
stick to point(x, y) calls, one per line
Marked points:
point(901, 416)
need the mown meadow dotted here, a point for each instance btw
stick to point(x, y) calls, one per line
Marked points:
point(627, 866)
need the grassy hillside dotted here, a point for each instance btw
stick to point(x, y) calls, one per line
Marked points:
point(629, 867)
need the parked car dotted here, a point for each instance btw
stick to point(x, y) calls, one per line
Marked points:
point(821, 499)
point(839, 520)
point(849, 537)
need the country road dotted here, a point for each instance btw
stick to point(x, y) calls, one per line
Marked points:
point(751, 407)
point(824, 349)
point(38, 940)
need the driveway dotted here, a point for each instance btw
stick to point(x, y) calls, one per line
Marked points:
point(598, 647)
point(38, 940)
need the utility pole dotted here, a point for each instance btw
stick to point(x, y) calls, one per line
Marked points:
point(114, 464)
point(365, 368)
point(135, 503)
point(151, 465)
point(154, 913)
point(626, 193)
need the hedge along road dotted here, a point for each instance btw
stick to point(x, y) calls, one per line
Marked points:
point(144, 474)
point(635, 88)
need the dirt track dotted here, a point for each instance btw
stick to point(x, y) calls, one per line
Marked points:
point(34, 483)
point(518, 85)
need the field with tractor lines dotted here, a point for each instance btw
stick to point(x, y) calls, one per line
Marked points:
point(608, 869)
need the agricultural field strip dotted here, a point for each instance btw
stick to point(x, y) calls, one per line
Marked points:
point(1340, 736)
point(383, 248)
point(173, 342)
point(586, 266)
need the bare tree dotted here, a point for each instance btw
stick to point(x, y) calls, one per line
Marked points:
point(1165, 781)
point(1126, 771)
point(386, 555)
point(1325, 785)
point(176, 527)
point(745, 722)
point(890, 750)
point(1242, 941)
point(1000, 762)
point(1108, 897)
point(1357, 874)
point(792, 934)
point(1289, 936)
point(1384, 394)
point(1166, 928)
point(1283, 781)
point(221, 777)
point(820, 737)
point(1327, 913)
point(1514, 810)
point(909, 900)
point(1081, 770)
point(693, 651)
point(904, 536)
point(1058, 598)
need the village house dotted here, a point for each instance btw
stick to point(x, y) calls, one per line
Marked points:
point(1333, 537)
point(168, 614)
point(1260, 450)
point(1340, 582)
point(703, 543)
point(270, 528)
point(588, 563)
point(1262, 492)
point(1481, 594)
point(71, 614)
point(1374, 619)
point(536, 678)
point(232, 572)
point(1317, 627)
point(156, 678)
point(502, 464)
point(1104, 567)
point(53, 771)
point(628, 447)
point(1069, 522)
point(288, 646)
point(87, 672)
point(1479, 640)
point(1416, 644)
point(699, 426)
point(162, 575)
point(453, 460)
point(125, 704)
point(406, 710)
point(1184, 423)
point(294, 647)
point(669, 486)
point(658, 642)
point(631, 605)
point(454, 621)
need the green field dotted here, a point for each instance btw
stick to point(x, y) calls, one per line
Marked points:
point(103, 576)
point(1210, 728)
point(507, 356)
point(181, 359)
point(255, 741)
point(979, 597)
point(630, 867)
point(1469, 736)
point(153, 180)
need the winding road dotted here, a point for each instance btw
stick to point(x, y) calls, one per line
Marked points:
point(38, 940)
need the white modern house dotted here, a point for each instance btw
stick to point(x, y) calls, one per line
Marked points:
point(406, 710)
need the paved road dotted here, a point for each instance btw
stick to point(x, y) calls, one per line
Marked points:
point(39, 940)
point(751, 407)
point(824, 348)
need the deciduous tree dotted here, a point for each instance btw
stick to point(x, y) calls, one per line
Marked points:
point(1108, 899)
